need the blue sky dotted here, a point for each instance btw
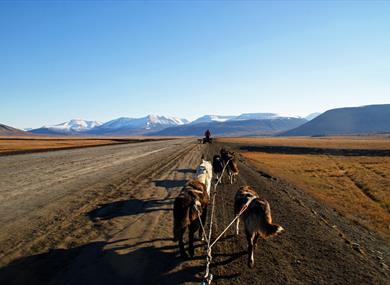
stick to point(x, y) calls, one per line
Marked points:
point(103, 60)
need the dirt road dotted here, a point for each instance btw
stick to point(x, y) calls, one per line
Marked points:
point(104, 216)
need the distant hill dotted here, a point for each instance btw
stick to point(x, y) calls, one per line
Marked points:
point(234, 128)
point(10, 131)
point(346, 121)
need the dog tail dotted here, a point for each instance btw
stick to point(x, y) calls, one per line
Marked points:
point(268, 229)
point(272, 229)
point(234, 167)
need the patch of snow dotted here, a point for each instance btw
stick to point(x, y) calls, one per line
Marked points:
point(263, 116)
point(148, 122)
point(212, 118)
point(74, 125)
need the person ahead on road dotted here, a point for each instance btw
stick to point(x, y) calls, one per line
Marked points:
point(207, 134)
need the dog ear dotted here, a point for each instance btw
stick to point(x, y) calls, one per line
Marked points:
point(202, 158)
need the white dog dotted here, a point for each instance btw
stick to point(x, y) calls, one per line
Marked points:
point(204, 173)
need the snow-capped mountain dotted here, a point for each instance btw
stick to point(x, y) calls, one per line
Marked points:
point(71, 127)
point(137, 126)
point(234, 127)
point(262, 116)
point(212, 118)
point(148, 122)
point(153, 124)
point(75, 125)
point(242, 117)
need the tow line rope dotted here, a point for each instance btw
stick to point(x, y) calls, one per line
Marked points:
point(208, 277)
point(235, 218)
point(207, 239)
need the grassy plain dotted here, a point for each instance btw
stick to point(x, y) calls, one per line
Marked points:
point(20, 145)
point(358, 187)
point(351, 142)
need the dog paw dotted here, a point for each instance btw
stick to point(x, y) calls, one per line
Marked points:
point(251, 263)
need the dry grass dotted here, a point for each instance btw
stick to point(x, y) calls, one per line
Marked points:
point(353, 142)
point(356, 186)
point(15, 145)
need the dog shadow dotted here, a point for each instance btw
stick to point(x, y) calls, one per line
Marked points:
point(186, 170)
point(116, 262)
point(128, 208)
point(94, 264)
point(170, 184)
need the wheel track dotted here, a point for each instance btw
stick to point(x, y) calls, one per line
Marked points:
point(146, 181)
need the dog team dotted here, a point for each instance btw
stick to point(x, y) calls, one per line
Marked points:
point(190, 206)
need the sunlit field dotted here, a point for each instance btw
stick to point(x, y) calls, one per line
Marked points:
point(355, 186)
point(352, 142)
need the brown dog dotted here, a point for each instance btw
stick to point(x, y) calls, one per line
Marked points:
point(191, 204)
point(229, 158)
point(257, 219)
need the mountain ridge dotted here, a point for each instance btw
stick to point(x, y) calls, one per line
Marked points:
point(348, 120)
point(11, 131)
point(369, 119)
point(234, 128)
point(149, 124)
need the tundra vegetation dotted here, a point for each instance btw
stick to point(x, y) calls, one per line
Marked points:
point(356, 186)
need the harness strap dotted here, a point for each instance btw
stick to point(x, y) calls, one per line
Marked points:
point(243, 209)
point(208, 277)
point(201, 223)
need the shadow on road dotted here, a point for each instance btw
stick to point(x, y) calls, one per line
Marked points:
point(117, 262)
point(104, 263)
point(94, 264)
point(128, 208)
point(186, 170)
point(169, 184)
